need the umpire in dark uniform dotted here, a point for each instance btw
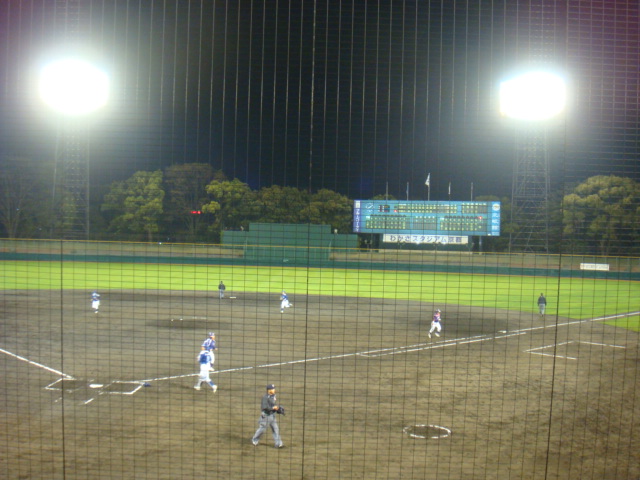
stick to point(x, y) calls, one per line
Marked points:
point(268, 410)
point(542, 304)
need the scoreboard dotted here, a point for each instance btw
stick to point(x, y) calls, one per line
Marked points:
point(426, 218)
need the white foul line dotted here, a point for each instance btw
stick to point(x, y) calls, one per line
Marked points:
point(369, 353)
point(603, 344)
point(413, 348)
point(429, 346)
point(31, 362)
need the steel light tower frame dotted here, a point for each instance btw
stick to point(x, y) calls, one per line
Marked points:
point(531, 100)
point(537, 96)
point(72, 88)
point(71, 185)
point(530, 191)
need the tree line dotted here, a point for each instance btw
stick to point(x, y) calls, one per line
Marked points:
point(195, 203)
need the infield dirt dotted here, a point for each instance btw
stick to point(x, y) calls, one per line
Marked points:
point(524, 397)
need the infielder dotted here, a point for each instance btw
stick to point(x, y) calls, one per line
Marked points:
point(221, 289)
point(436, 327)
point(204, 359)
point(284, 302)
point(95, 302)
point(267, 418)
point(210, 346)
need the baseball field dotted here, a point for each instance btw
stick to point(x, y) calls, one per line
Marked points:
point(502, 393)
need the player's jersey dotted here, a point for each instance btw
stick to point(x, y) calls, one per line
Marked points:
point(95, 296)
point(284, 297)
point(209, 344)
point(436, 317)
point(204, 358)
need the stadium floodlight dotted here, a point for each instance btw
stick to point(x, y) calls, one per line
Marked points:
point(532, 101)
point(533, 96)
point(73, 87)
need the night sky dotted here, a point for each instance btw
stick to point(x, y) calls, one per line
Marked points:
point(347, 95)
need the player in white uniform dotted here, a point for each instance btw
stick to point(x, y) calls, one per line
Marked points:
point(204, 359)
point(95, 302)
point(436, 327)
point(284, 302)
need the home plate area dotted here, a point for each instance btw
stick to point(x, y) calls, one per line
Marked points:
point(92, 387)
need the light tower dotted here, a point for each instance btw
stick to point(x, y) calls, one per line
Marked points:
point(72, 88)
point(531, 100)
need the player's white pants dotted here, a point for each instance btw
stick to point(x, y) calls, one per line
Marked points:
point(95, 305)
point(435, 327)
point(204, 375)
point(284, 304)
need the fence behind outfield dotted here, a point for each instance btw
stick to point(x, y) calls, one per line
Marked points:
point(579, 266)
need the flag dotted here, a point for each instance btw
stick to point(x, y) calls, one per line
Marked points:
point(428, 181)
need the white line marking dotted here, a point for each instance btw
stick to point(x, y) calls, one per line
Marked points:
point(368, 353)
point(603, 344)
point(412, 348)
point(36, 364)
point(408, 430)
point(578, 322)
point(618, 315)
point(429, 346)
point(533, 350)
point(130, 392)
point(552, 355)
point(549, 346)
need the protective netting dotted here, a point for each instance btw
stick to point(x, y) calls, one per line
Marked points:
point(334, 199)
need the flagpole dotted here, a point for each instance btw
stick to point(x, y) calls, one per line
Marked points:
point(428, 184)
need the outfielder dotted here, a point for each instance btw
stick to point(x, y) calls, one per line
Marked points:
point(267, 418)
point(95, 302)
point(204, 359)
point(284, 302)
point(436, 327)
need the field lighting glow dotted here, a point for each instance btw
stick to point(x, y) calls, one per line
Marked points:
point(533, 96)
point(73, 87)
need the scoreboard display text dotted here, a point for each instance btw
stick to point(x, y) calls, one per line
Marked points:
point(426, 218)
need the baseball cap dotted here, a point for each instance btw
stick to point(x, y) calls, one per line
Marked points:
point(271, 386)
point(437, 309)
point(212, 334)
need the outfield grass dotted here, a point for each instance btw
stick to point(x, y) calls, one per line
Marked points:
point(579, 298)
point(630, 323)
